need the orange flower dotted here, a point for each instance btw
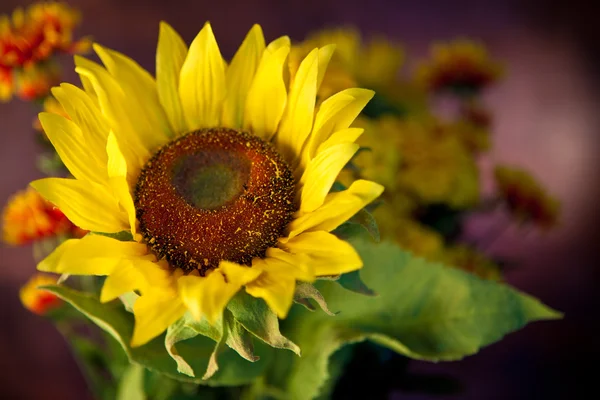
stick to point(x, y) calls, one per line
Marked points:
point(6, 83)
point(526, 198)
point(37, 300)
point(30, 39)
point(28, 217)
point(35, 81)
point(461, 65)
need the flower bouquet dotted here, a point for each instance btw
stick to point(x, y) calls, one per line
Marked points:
point(233, 228)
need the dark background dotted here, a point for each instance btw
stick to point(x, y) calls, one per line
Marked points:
point(547, 119)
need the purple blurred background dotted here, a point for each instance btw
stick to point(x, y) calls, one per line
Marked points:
point(547, 120)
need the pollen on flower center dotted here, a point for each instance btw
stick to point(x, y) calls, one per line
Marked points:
point(212, 195)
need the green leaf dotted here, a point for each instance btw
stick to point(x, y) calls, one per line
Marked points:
point(254, 315)
point(424, 310)
point(131, 386)
point(113, 318)
point(351, 281)
point(305, 292)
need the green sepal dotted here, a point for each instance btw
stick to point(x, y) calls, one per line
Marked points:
point(351, 281)
point(424, 310)
point(257, 318)
point(114, 319)
point(227, 331)
point(306, 292)
point(360, 224)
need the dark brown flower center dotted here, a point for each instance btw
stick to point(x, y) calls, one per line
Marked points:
point(212, 195)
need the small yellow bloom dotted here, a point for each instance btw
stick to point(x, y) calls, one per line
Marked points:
point(474, 137)
point(470, 260)
point(419, 158)
point(526, 198)
point(408, 233)
point(38, 300)
point(458, 65)
point(28, 217)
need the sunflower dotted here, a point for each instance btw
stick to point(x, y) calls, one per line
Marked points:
point(220, 172)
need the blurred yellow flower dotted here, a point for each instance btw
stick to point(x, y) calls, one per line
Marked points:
point(460, 65)
point(409, 233)
point(474, 137)
point(526, 198)
point(420, 158)
point(373, 64)
point(38, 300)
point(470, 260)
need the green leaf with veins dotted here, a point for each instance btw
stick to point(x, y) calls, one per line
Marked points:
point(423, 310)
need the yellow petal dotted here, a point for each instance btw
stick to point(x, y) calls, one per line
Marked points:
point(327, 254)
point(298, 266)
point(325, 54)
point(321, 172)
point(349, 135)
point(88, 205)
point(86, 114)
point(202, 82)
point(86, 82)
point(92, 255)
point(83, 161)
point(335, 113)
point(117, 173)
point(337, 208)
point(116, 108)
point(124, 278)
point(274, 285)
point(207, 296)
point(238, 275)
point(133, 274)
point(240, 75)
point(297, 120)
point(267, 96)
point(170, 55)
point(148, 117)
point(154, 312)
point(84, 111)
